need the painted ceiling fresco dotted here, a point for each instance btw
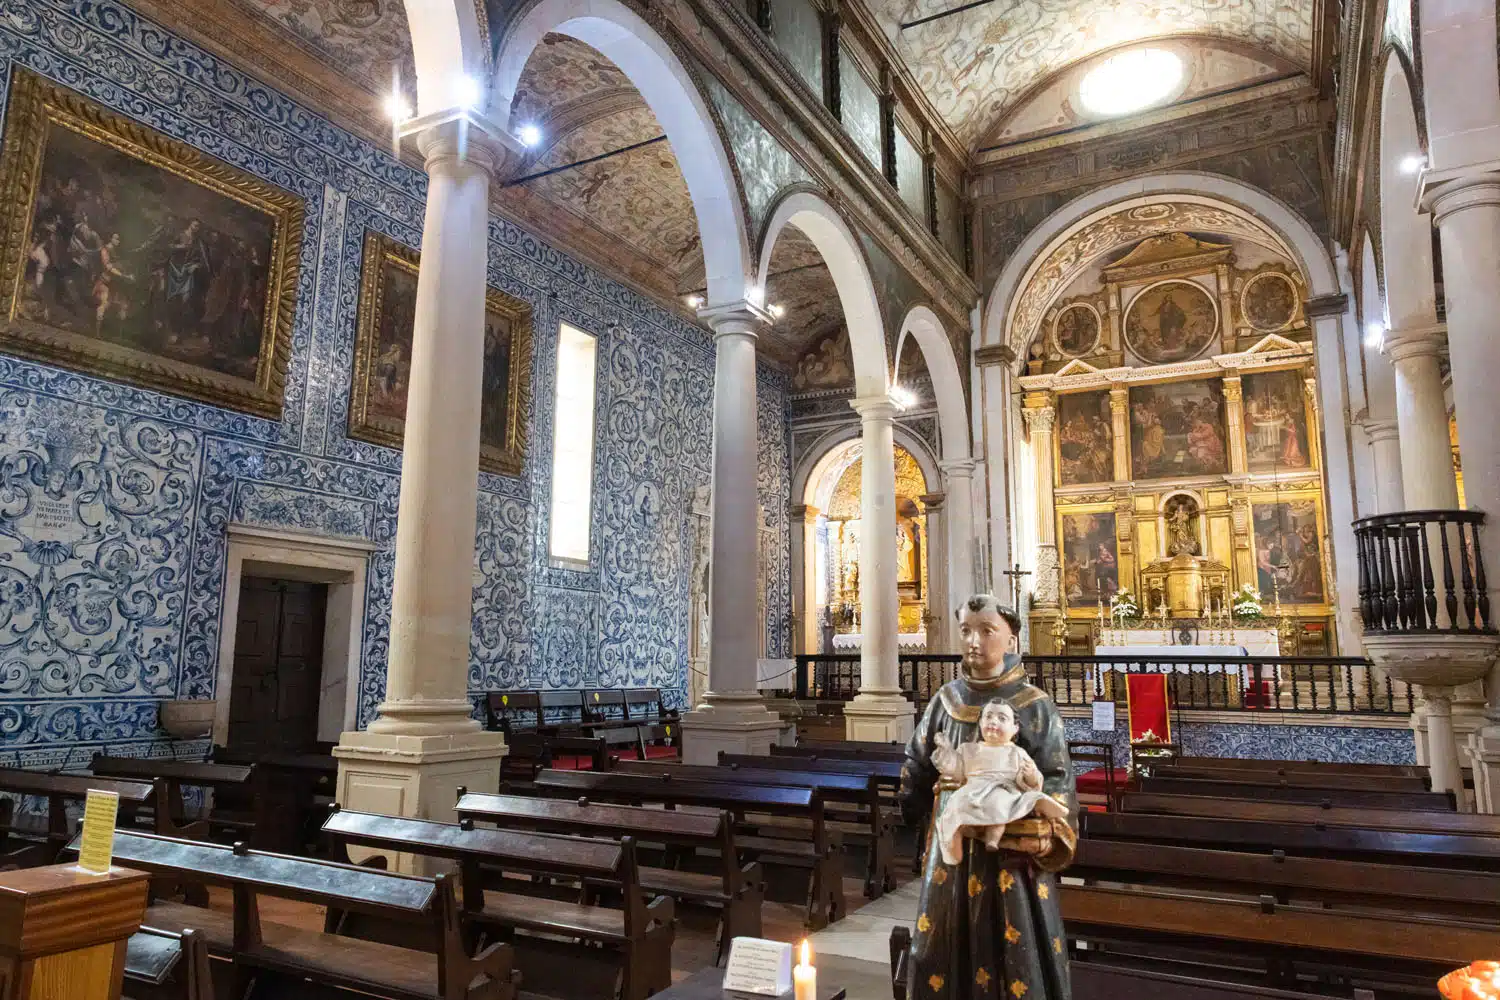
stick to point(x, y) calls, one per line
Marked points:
point(975, 66)
point(802, 287)
point(365, 37)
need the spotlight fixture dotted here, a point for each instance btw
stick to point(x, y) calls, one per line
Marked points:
point(466, 92)
point(903, 397)
point(396, 108)
point(694, 301)
point(776, 311)
point(529, 135)
point(1413, 163)
point(1374, 334)
point(755, 295)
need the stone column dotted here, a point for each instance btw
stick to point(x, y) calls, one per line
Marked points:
point(1422, 419)
point(1119, 426)
point(939, 560)
point(733, 716)
point(879, 713)
point(1385, 443)
point(1467, 214)
point(1041, 413)
point(425, 742)
point(958, 484)
point(804, 559)
point(1234, 408)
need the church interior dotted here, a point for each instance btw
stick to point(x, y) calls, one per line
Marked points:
point(497, 499)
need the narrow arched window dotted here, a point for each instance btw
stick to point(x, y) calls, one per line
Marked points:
point(573, 447)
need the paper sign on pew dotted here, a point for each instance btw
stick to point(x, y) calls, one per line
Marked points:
point(759, 966)
point(96, 847)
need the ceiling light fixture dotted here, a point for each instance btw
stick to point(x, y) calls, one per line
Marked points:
point(1413, 163)
point(529, 135)
point(903, 397)
point(1131, 81)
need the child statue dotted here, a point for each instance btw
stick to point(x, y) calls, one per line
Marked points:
point(998, 782)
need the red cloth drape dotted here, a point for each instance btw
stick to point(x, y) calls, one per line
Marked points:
point(1146, 706)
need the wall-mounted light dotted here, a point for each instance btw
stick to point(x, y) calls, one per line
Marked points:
point(694, 301)
point(776, 311)
point(1375, 334)
point(396, 108)
point(1413, 163)
point(755, 295)
point(466, 92)
point(529, 135)
point(903, 397)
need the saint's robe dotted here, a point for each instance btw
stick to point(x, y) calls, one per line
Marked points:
point(990, 926)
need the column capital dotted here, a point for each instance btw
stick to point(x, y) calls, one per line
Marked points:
point(1040, 418)
point(1233, 386)
point(457, 136)
point(995, 354)
point(880, 408)
point(742, 318)
point(1321, 306)
point(933, 501)
point(1445, 196)
point(1381, 430)
point(1414, 342)
point(961, 467)
point(804, 512)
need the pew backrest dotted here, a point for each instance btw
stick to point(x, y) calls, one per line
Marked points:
point(835, 786)
point(616, 786)
point(513, 711)
point(181, 772)
point(1314, 766)
point(885, 772)
point(1363, 798)
point(595, 818)
point(847, 749)
point(1297, 778)
point(1472, 824)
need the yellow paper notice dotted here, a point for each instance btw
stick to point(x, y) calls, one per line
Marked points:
point(98, 845)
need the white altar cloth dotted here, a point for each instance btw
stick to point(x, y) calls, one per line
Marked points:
point(907, 642)
point(1255, 641)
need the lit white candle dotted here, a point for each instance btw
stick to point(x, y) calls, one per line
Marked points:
point(805, 977)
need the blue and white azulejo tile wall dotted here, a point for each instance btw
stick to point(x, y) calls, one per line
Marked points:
point(119, 606)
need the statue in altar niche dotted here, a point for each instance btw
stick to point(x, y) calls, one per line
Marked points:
point(988, 923)
point(1182, 535)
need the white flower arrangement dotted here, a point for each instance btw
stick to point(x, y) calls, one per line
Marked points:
point(1123, 605)
point(1246, 602)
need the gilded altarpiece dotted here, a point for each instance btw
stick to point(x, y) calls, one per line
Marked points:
point(1185, 425)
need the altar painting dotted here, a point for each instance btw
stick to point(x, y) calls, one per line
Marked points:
point(1275, 421)
point(1171, 321)
point(1091, 558)
point(1085, 438)
point(1288, 556)
point(1177, 429)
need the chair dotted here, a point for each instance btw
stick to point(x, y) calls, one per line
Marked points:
point(1100, 778)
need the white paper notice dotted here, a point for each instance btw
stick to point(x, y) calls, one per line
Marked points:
point(759, 966)
point(1104, 716)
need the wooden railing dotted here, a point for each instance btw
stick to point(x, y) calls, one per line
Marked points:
point(835, 676)
point(1422, 571)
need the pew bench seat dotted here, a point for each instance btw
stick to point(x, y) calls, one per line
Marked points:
point(550, 916)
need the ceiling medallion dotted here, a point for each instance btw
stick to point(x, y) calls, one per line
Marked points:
point(1132, 80)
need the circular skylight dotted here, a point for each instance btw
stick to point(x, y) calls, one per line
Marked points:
point(1131, 81)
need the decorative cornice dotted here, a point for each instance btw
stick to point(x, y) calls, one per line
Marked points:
point(1217, 366)
point(1333, 304)
point(995, 355)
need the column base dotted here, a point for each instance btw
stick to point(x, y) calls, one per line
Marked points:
point(879, 718)
point(1483, 751)
point(415, 776)
point(728, 723)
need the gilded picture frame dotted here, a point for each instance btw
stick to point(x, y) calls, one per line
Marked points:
point(132, 256)
point(388, 276)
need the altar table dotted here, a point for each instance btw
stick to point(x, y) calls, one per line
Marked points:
point(907, 642)
point(1234, 654)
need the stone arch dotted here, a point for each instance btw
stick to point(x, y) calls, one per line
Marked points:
point(1460, 81)
point(835, 446)
point(922, 324)
point(673, 96)
point(816, 219)
point(449, 40)
point(1410, 293)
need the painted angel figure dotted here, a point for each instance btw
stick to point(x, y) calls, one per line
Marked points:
point(998, 783)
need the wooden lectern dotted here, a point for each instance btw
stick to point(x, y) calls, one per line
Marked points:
point(63, 931)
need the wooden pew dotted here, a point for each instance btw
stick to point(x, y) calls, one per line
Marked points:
point(845, 749)
point(289, 800)
point(816, 852)
point(23, 851)
point(1470, 824)
point(887, 774)
point(638, 935)
point(164, 965)
point(1446, 850)
point(870, 824)
point(225, 779)
point(1406, 950)
point(1300, 779)
point(736, 892)
point(1313, 766)
point(426, 906)
point(1364, 798)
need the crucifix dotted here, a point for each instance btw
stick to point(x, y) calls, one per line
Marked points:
point(1015, 584)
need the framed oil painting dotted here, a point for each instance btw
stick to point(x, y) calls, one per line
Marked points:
point(1288, 559)
point(1171, 321)
point(1085, 438)
point(1091, 558)
point(1275, 421)
point(1076, 329)
point(1177, 429)
point(1269, 301)
point(136, 257)
point(382, 359)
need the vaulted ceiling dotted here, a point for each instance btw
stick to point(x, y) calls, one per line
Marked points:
point(976, 66)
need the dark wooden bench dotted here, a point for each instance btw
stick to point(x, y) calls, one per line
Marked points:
point(1299, 779)
point(27, 848)
point(638, 936)
point(844, 749)
point(1364, 798)
point(734, 891)
point(289, 800)
point(887, 774)
point(434, 965)
point(868, 825)
point(1094, 756)
point(1446, 850)
point(1475, 824)
point(815, 850)
point(223, 779)
point(167, 965)
point(1312, 766)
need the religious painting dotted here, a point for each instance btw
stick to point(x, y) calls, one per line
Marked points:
point(1085, 438)
point(1076, 330)
point(382, 359)
point(132, 256)
point(1275, 421)
point(1177, 429)
point(828, 364)
point(1171, 321)
point(1288, 560)
point(1091, 558)
point(1269, 301)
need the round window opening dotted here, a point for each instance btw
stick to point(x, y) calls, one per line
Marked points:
point(1131, 81)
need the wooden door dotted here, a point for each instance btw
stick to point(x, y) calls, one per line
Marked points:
point(278, 665)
